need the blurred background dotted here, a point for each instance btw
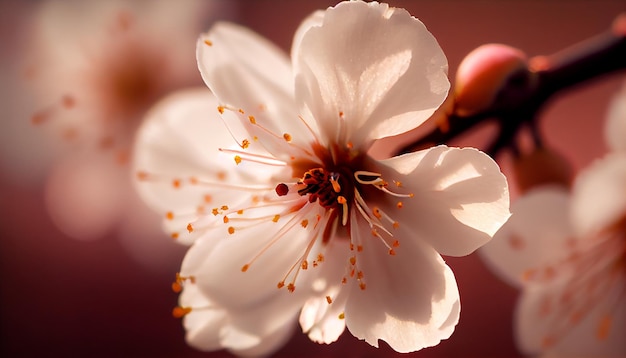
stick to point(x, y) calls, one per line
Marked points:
point(63, 296)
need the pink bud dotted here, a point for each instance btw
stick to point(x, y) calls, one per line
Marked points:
point(482, 73)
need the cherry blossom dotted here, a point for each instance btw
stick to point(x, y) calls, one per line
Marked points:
point(288, 216)
point(95, 67)
point(567, 253)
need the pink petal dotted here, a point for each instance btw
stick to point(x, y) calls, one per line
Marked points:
point(539, 232)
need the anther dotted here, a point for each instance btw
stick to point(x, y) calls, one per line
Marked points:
point(245, 144)
point(276, 218)
point(252, 119)
point(399, 205)
point(291, 287)
point(176, 183)
point(68, 102)
point(281, 284)
point(305, 265)
point(304, 223)
point(169, 215)
point(208, 43)
point(141, 175)
point(329, 300)
point(221, 109)
point(190, 228)
point(179, 312)
point(226, 219)
point(245, 268)
point(231, 230)
point(237, 159)
point(342, 315)
point(287, 137)
point(282, 189)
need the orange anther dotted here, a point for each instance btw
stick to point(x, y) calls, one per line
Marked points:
point(169, 215)
point(68, 102)
point(141, 175)
point(208, 43)
point(252, 119)
point(304, 223)
point(179, 312)
point(220, 109)
point(342, 315)
point(176, 287)
point(226, 219)
point(231, 230)
point(237, 159)
point(305, 265)
point(399, 205)
point(276, 218)
point(174, 235)
point(245, 267)
point(281, 284)
point(176, 183)
point(362, 286)
point(287, 137)
point(190, 228)
point(329, 300)
point(291, 287)
point(224, 207)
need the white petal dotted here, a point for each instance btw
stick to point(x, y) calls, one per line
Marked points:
point(269, 248)
point(411, 300)
point(538, 232)
point(377, 66)
point(599, 195)
point(247, 72)
point(319, 318)
point(256, 326)
point(460, 197)
point(178, 145)
point(615, 128)
point(204, 322)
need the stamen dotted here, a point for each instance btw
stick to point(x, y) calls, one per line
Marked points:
point(252, 157)
point(208, 42)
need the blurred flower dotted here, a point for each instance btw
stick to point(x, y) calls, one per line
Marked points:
point(286, 212)
point(567, 252)
point(96, 67)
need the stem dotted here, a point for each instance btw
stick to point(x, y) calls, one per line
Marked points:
point(525, 92)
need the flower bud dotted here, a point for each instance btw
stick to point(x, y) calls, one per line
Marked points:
point(541, 167)
point(483, 73)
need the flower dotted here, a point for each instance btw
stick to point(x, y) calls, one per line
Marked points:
point(96, 68)
point(287, 215)
point(567, 253)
